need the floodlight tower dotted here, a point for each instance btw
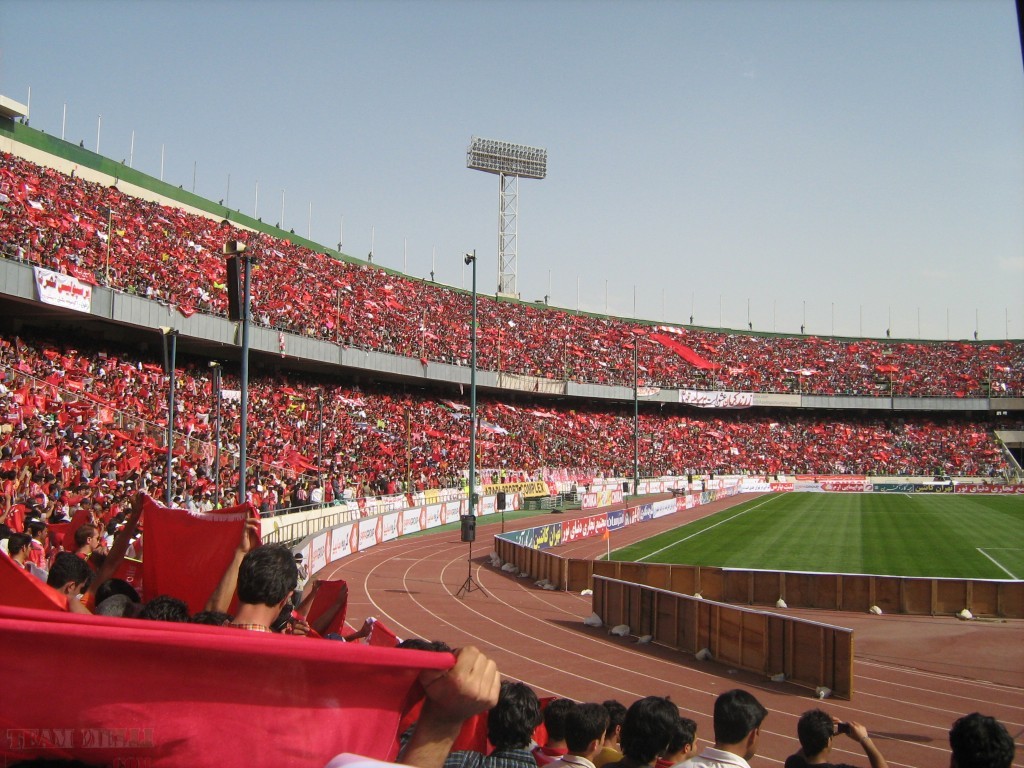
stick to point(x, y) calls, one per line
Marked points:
point(509, 162)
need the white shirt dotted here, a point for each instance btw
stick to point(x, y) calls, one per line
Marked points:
point(714, 758)
point(570, 761)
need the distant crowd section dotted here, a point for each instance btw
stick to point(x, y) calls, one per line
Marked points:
point(82, 425)
point(105, 237)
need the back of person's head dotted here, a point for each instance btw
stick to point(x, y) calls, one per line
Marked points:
point(683, 736)
point(510, 722)
point(18, 542)
point(980, 741)
point(267, 574)
point(68, 569)
point(616, 716)
point(165, 608)
point(84, 533)
point(737, 713)
point(554, 718)
point(584, 723)
point(112, 587)
point(213, 618)
point(814, 729)
point(649, 725)
point(418, 644)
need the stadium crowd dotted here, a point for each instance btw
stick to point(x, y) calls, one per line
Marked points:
point(468, 717)
point(80, 422)
point(106, 237)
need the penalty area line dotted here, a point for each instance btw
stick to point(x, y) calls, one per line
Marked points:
point(698, 533)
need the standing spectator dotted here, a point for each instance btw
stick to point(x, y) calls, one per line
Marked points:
point(737, 722)
point(980, 741)
point(816, 731)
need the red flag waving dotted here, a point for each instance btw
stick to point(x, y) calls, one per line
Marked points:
point(187, 552)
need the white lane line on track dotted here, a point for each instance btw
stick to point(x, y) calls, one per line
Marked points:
point(604, 683)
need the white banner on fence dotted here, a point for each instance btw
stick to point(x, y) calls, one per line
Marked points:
point(716, 399)
point(63, 290)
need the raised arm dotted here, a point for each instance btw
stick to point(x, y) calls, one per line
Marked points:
point(220, 600)
point(467, 689)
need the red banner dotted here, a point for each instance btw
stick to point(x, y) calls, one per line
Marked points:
point(186, 694)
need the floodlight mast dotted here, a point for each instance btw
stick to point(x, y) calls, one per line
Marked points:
point(509, 162)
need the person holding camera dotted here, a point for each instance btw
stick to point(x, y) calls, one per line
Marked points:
point(816, 731)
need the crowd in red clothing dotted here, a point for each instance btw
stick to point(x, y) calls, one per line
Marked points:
point(79, 422)
point(106, 237)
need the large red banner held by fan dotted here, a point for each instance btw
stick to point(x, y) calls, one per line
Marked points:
point(161, 694)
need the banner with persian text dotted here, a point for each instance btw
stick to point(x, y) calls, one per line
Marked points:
point(62, 290)
point(716, 399)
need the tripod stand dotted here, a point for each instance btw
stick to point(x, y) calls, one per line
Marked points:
point(470, 583)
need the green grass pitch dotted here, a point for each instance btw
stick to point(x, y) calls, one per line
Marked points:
point(953, 536)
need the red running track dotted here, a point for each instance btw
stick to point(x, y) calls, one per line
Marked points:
point(912, 675)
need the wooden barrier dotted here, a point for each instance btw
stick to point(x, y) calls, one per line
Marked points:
point(807, 653)
point(823, 591)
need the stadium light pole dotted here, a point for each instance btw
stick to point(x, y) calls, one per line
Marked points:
point(236, 248)
point(470, 259)
point(636, 419)
point(509, 162)
point(470, 583)
point(166, 333)
point(216, 368)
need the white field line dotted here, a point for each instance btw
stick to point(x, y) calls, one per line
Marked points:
point(998, 564)
point(720, 522)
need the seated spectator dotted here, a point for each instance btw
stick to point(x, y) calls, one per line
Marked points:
point(816, 730)
point(554, 723)
point(647, 731)
point(610, 752)
point(585, 727)
point(69, 575)
point(737, 723)
point(19, 547)
point(980, 741)
point(510, 726)
point(682, 746)
point(165, 608)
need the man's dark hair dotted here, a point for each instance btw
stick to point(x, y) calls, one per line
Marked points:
point(737, 713)
point(684, 735)
point(583, 724)
point(980, 741)
point(84, 533)
point(213, 618)
point(554, 718)
point(814, 729)
point(649, 725)
point(112, 587)
point(267, 574)
point(511, 721)
point(165, 608)
point(34, 527)
point(616, 714)
point(68, 568)
point(17, 542)
point(417, 644)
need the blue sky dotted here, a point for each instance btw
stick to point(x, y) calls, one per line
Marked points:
point(844, 165)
